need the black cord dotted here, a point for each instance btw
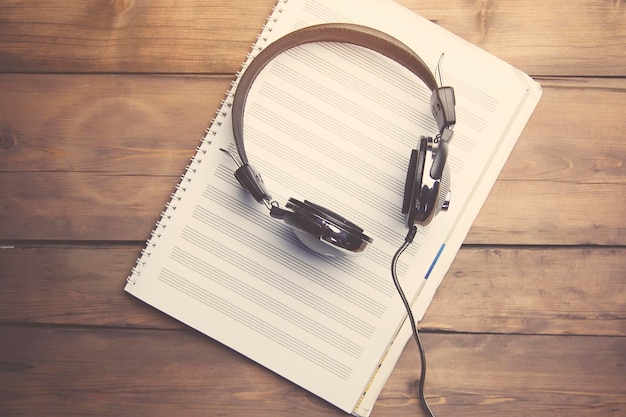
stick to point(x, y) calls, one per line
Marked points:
point(407, 241)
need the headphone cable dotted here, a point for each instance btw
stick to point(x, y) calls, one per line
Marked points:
point(407, 241)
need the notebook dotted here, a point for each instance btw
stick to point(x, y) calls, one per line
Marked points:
point(333, 124)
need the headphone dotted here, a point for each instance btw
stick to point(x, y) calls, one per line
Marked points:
point(427, 186)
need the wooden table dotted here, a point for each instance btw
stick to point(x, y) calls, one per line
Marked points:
point(101, 106)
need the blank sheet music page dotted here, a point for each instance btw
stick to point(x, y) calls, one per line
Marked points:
point(333, 124)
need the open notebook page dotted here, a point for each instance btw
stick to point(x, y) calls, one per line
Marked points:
point(333, 124)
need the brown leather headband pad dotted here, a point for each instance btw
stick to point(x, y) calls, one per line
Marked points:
point(331, 32)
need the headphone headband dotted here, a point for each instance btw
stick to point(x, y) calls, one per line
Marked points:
point(330, 32)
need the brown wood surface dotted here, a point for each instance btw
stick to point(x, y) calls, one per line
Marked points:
point(102, 104)
point(549, 290)
point(560, 37)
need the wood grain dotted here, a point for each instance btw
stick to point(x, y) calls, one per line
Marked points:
point(478, 375)
point(138, 125)
point(488, 289)
point(76, 372)
point(129, 36)
point(165, 36)
point(548, 290)
point(150, 125)
point(101, 207)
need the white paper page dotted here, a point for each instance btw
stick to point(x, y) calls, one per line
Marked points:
point(333, 124)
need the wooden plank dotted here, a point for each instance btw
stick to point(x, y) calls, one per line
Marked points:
point(86, 206)
point(161, 36)
point(487, 290)
point(143, 125)
point(545, 213)
point(81, 206)
point(584, 37)
point(73, 285)
point(548, 290)
point(147, 125)
point(479, 375)
point(70, 372)
point(67, 372)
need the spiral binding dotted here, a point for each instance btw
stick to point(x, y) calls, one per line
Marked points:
point(216, 123)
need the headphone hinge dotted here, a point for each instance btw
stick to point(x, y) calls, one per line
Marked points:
point(442, 102)
point(251, 180)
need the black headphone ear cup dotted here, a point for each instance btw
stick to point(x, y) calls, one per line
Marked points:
point(413, 183)
point(408, 184)
point(323, 230)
